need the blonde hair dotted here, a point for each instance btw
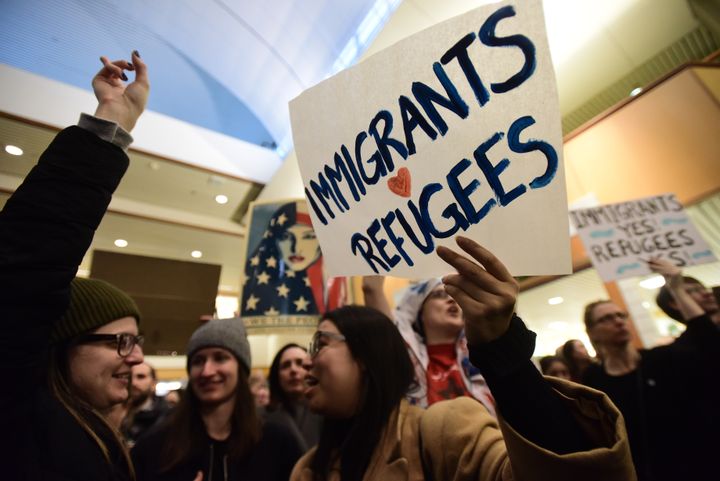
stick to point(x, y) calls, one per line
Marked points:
point(81, 411)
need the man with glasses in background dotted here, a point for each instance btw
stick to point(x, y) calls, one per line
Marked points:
point(666, 394)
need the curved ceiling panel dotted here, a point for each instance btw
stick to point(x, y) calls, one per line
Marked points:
point(229, 66)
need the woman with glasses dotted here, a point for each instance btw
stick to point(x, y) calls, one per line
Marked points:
point(359, 372)
point(215, 434)
point(67, 346)
point(667, 394)
point(287, 403)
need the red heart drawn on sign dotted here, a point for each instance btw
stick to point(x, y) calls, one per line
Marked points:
point(400, 184)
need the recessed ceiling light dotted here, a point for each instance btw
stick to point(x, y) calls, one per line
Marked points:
point(653, 282)
point(555, 300)
point(196, 254)
point(646, 304)
point(13, 150)
point(635, 91)
point(221, 199)
point(121, 242)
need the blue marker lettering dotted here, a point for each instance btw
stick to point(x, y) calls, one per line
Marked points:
point(412, 118)
point(427, 98)
point(524, 147)
point(459, 51)
point(492, 172)
point(487, 36)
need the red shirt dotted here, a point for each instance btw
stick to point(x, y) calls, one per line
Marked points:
point(444, 379)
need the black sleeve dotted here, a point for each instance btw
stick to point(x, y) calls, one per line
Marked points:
point(701, 334)
point(46, 227)
point(525, 400)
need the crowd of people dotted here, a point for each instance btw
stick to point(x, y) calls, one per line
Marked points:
point(441, 387)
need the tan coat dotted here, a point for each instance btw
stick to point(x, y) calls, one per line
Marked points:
point(461, 441)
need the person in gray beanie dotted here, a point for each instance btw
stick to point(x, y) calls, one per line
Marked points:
point(215, 429)
point(226, 333)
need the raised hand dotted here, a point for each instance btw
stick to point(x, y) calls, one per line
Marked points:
point(116, 101)
point(671, 272)
point(485, 290)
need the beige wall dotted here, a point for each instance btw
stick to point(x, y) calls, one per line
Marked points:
point(665, 140)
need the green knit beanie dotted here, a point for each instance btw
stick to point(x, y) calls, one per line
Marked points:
point(93, 303)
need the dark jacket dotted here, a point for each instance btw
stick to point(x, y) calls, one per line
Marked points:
point(137, 423)
point(670, 405)
point(45, 229)
point(272, 459)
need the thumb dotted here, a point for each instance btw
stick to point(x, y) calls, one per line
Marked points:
point(198, 476)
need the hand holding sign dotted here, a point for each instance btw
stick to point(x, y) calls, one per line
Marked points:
point(487, 295)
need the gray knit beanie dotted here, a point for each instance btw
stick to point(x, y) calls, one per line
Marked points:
point(93, 303)
point(226, 333)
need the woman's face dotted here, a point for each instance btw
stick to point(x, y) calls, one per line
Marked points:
point(299, 247)
point(214, 375)
point(334, 379)
point(98, 373)
point(579, 351)
point(292, 373)
point(440, 314)
point(558, 369)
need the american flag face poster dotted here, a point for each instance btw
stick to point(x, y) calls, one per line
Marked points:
point(284, 282)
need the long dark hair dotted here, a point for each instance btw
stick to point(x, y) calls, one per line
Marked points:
point(377, 346)
point(278, 397)
point(103, 434)
point(568, 354)
point(185, 439)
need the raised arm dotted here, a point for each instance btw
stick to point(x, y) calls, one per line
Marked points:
point(501, 347)
point(372, 287)
point(542, 427)
point(48, 224)
point(689, 309)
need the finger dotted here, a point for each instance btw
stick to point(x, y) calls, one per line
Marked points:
point(463, 299)
point(478, 291)
point(110, 70)
point(475, 308)
point(471, 272)
point(198, 476)
point(491, 263)
point(141, 75)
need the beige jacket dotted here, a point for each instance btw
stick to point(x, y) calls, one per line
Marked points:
point(461, 441)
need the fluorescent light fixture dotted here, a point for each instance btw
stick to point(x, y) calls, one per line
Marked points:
point(221, 199)
point(653, 282)
point(553, 301)
point(13, 150)
point(121, 243)
point(635, 91)
point(196, 254)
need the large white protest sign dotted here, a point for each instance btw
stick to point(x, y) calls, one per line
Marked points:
point(455, 130)
point(620, 238)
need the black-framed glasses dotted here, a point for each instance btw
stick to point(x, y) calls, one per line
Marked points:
point(611, 317)
point(125, 341)
point(320, 340)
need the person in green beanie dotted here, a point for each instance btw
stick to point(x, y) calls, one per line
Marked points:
point(67, 344)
